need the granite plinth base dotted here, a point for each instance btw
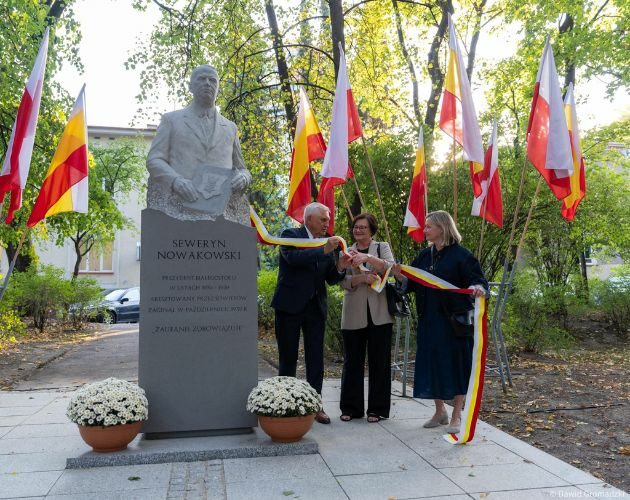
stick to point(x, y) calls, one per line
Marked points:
point(159, 451)
point(193, 434)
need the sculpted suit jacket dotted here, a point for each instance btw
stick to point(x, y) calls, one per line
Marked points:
point(356, 300)
point(183, 143)
point(303, 274)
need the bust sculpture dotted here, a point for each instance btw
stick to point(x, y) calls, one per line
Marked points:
point(196, 168)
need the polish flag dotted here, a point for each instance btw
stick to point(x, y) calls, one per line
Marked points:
point(489, 204)
point(548, 144)
point(578, 178)
point(416, 205)
point(17, 161)
point(345, 127)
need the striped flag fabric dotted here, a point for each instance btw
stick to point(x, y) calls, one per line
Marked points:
point(458, 117)
point(17, 160)
point(548, 143)
point(345, 127)
point(416, 205)
point(489, 204)
point(65, 188)
point(578, 178)
point(308, 146)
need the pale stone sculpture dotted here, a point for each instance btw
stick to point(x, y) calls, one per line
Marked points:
point(196, 169)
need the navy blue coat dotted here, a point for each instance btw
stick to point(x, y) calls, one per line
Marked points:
point(302, 274)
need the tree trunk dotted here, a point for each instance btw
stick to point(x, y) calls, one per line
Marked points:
point(566, 26)
point(475, 39)
point(24, 260)
point(412, 70)
point(336, 24)
point(436, 74)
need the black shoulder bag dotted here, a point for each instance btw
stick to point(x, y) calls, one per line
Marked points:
point(397, 304)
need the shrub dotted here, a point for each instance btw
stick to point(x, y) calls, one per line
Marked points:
point(41, 294)
point(333, 340)
point(267, 279)
point(83, 300)
point(11, 327)
point(533, 316)
point(612, 297)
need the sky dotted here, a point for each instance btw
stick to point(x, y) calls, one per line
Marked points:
point(111, 89)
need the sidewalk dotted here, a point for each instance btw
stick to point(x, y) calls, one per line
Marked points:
point(394, 459)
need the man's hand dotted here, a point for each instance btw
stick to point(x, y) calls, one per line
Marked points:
point(239, 182)
point(359, 258)
point(478, 290)
point(185, 189)
point(331, 244)
point(395, 272)
point(344, 262)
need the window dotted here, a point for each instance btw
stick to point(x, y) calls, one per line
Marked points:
point(133, 295)
point(98, 259)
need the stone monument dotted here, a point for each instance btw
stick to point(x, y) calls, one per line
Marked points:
point(198, 325)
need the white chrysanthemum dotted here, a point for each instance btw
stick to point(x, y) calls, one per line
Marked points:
point(283, 396)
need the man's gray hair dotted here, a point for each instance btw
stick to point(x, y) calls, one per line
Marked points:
point(311, 208)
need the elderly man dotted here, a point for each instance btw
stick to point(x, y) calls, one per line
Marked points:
point(300, 298)
point(196, 156)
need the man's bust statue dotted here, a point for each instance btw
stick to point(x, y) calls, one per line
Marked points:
point(196, 169)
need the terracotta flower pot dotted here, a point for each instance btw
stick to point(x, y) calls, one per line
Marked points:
point(112, 438)
point(286, 429)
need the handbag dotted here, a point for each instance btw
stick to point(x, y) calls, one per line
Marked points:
point(397, 303)
point(462, 323)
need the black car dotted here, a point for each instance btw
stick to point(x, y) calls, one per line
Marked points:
point(120, 305)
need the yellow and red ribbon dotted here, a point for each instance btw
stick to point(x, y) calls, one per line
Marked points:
point(474, 393)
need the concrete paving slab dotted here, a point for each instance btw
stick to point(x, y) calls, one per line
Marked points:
point(48, 415)
point(112, 479)
point(5, 430)
point(466, 456)
point(42, 430)
point(9, 399)
point(506, 477)
point(399, 485)
point(13, 411)
point(262, 469)
point(531, 494)
point(65, 444)
point(144, 494)
point(409, 409)
point(304, 489)
point(28, 484)
point(12, 421)
point(603, 490)
point(32, 462)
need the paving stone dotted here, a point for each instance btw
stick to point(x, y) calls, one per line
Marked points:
point(506, 477)
point(5, 430)
point(112, 479)
point(12, 421)
point(69, 444)
point(467, 455)
point(43, 430)
point(399, 485)
point(28, 484)
point(143, 494)
point(32, 462)
point(603, 490)
point(196, 480)
point(261, 469)
point(39, 398)
point(12, 411)
point(304, 489)
point(410, 409)
point(533, 494)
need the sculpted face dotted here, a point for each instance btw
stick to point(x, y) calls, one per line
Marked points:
point(204, 84)
point(317, 223)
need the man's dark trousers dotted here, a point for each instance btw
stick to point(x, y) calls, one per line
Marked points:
point(313, 324)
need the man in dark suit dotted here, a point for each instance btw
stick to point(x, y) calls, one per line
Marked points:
point(300, 299)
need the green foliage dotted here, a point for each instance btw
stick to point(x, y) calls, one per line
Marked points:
point(333, 340)
point(83, 298)
point(530, 324)
point(612, 298)
point(41, 293)
point(11, 327)
point(266, 286)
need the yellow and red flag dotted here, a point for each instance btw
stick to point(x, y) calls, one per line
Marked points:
point(416, 205)
point(489, 204)
point(65, 188)
point(578, 178)
point(17, 160)
point(548, 143)
point(345, 127)
point(308, 146)
point(458, 117)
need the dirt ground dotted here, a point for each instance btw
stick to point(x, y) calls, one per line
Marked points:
point(574, 407)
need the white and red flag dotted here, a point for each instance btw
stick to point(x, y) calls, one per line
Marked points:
point(17, 161)
point(489, 204)
point(548, 143)
point(458, 117)
point(345, 127)
point(578, 178)
point(416, 206)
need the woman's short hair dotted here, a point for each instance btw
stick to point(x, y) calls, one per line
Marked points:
point(445, 222)
point(371, 220)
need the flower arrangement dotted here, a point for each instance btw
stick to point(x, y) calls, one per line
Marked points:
point(283, 397)
point(107, 403)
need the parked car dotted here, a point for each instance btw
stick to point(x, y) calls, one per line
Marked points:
point(120, 305)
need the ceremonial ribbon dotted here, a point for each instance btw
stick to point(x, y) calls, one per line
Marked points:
point(266, 239)
point(474, 393)
point(470, 412)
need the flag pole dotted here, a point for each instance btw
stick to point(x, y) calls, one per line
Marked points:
point(483, 223)
point(518, 202)
point(343, 195)
point(378, 194)
point(5, 284)
point(356, 185)
point(454, 176)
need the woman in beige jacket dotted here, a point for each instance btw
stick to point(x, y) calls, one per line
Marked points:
point(366, 325)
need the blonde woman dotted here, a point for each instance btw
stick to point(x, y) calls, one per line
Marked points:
point(445, 341)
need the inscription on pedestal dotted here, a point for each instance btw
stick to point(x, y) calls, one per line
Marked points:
point(198, 324)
